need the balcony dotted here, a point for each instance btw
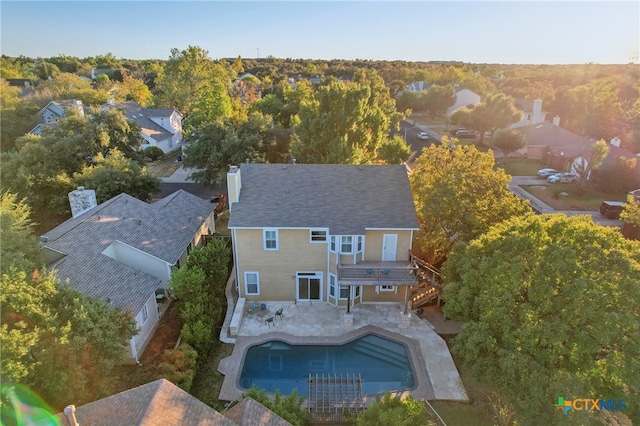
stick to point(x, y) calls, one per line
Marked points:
point(377, 273)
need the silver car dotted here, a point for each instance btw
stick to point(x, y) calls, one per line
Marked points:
point(566, 177)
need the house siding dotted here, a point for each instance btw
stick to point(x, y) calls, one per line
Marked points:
point(146, 328)
point(373, 244)
point(278, 267)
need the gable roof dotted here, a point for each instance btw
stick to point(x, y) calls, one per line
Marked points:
point(156, 403)
point(163, 229)
point(250, 412)
point(143, 118)
point(556, 138)
point(347, 199)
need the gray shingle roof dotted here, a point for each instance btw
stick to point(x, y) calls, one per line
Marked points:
point(345, 198)
point(142, 117)
point(556, 138)
point(163, 229)
point(156, 403)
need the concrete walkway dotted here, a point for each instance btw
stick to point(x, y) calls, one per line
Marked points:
point(181, 175)
point(317, 322)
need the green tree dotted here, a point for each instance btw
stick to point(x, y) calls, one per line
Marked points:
point(115, 174)
point(55, 338)
point(396, 411)
point(394, 151)
point(438, 99)
point(213, 259)
point(497, 111)
point(591, 161)
point(134, 89)
point(508, 141)
point(631, 211)
point(458, 195)
point(16, 115)
point(550, 308)
point(19, 248)
point(288, 407)
point(152, 153)
point(45, 70)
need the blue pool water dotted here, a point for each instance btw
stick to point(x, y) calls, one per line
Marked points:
point(383, 365)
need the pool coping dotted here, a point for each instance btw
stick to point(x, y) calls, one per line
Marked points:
point(231, 366)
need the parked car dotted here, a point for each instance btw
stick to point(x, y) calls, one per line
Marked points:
point(220, 198)
point(423, 136)
point(465, 134)
point(611, 209)
point(547, 172)
point(566, 177)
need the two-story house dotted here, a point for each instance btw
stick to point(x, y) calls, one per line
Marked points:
point(123, 250)
point(161, 127)
point(56, 110)
point(339, 234)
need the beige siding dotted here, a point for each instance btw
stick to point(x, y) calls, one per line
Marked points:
point(373, 245)
point(369, 295)
point(278, 268)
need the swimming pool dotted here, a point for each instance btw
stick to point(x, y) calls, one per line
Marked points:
point(383, 365)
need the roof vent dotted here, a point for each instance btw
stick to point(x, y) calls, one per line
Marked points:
point(139, 221)
point(70, 412)
point(44, 239)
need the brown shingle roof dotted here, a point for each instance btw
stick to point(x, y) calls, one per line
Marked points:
point(250, 412)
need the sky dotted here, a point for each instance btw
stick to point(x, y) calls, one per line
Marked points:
point(506, 32)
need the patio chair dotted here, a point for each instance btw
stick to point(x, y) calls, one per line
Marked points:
point(385, 272)
point(269, 322)
point(371, 272)
point(253, 309)
point(279, 314)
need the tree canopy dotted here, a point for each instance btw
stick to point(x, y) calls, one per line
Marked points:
point(458, 195)
point(19, 249)
point(508, 141)
point(550, 305)
point(496, 111)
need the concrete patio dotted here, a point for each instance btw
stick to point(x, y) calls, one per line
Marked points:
point(309, 322)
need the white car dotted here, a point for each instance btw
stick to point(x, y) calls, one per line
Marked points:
point(567, 177)
point(547, 172)
point(423, 136)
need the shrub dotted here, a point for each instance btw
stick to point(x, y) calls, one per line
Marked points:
point(178, 366)
point(153, 153)
point(288, 407)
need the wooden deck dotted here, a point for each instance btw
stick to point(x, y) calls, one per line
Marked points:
point(377, 273)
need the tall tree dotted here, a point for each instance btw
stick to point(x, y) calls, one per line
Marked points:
point(19, 249)
point(497, 111)
point(346, 123)
point(458, 195)
point(540, 325)
point(591, 160)
point(508, 141)
point(16, 115)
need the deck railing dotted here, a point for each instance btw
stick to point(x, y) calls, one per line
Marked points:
point(393, 272)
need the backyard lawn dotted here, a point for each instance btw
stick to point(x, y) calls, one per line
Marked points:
point(164, 166)
point(520, 166)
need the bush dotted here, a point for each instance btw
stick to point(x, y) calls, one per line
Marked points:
point(393, 411)
point(178, 366)
point(288, 407)
point(153, 153)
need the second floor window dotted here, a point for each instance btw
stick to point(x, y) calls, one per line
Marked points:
point(271, 239)
point(346, 244)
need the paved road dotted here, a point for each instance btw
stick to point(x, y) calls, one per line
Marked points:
point(179, 180)
point(410, 130)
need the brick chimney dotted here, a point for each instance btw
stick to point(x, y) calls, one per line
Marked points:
point(82, 200)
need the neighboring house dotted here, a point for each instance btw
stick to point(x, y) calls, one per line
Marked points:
point(56, 110)
point(339, 234)
point(161, 127)
point(552, 145)
point(123, 250)
point(95, 72)
point(532, 112)
point(25, 83)
point(464, 97)
point(162, 403)
point(417, 86)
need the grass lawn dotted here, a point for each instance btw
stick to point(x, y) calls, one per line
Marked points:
point(165, 166)
point(478, 412)
point(576, 199)
point(520, 166)
point(208, 382)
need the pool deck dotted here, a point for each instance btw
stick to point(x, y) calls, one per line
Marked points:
point(436, 375)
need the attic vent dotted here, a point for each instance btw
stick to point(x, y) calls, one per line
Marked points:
point(139, 221)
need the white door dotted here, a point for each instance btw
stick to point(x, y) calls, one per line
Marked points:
point(389, 246)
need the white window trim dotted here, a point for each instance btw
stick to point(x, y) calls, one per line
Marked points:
point(359, 242)
point(380, 288)
point(312, 241)
point(340, 292)
point(333, 283)
point(351, 250)
point(246, 285)
point(333, 244)
point(264, 239)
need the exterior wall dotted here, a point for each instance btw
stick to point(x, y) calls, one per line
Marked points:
point(146, 328)
point(138, 259)
point(372, 294)
point(464, 97)
point(534, 152)
point(373, 244)
point(277, 268)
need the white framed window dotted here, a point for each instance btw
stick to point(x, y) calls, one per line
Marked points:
point(344, 292)
point(346, 244)
point(270, 239)
point(144, 314)
point(332, 285)
point(252, 283)
point(392, 288)
point(357, 292)
point(359, 244)
point(318, 236)
point(332, 245)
